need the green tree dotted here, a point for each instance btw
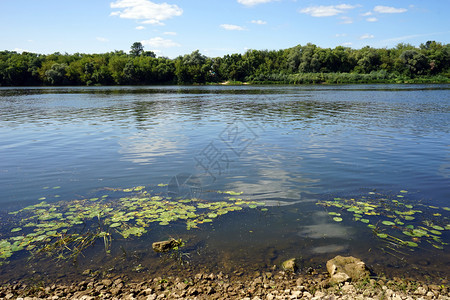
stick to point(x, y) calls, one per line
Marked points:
point(57, 74)
point(438, 55)
point(415, 63)
point(136, 49)
point(116, 65)
point(192, 68)
point(149, 54)
point(368, 60)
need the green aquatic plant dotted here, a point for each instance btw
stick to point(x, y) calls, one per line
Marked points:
point(69, 227)
point(398, 223)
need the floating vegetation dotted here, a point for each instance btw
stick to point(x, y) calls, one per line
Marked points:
point(66, 228)
point(397, 223)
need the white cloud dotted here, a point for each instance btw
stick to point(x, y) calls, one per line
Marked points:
point(348, 44)
point(369, 13)
point(413, 36)
point(145, 10)
point(366, 36)
point(373, 19)
point(20, 50)
point(326, 11)
point(231, 27)
point(340, 34)
point(159, 42)
point(346, 20)
point(345, 6)
point(259, 22)
point(140, 27)
point(170, 33)
point(102, 39)
point(388, 10)
point(253, 2)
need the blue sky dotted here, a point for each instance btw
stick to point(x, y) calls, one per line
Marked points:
point(217, 27)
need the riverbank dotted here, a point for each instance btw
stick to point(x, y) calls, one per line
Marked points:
point(275, 284)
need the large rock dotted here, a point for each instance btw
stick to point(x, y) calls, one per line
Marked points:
point(343, 269)
point(165, 246)
point(290, 265)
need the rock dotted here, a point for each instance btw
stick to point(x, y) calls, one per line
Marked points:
point(181, 286)
point(290, 265)
point(118, 281)
point(198, 276)
point(434, 287)
point(87, 272)
point(296, 294)
point(339, 278)
point(319, 294)
point(421, 291)
point(115, 291)
point(342, 269)
point(165, 246)
point(107, 282)
point(348, 288)
point(147, 291)
point(301, 288)
point(257, 281)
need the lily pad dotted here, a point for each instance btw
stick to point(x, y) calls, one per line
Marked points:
point(332, 213)
point(137, 231)
point(435, 232)
point(388, 223)
point(411, 244)
point(437, 227)
point(337, 219)
point(419, 232)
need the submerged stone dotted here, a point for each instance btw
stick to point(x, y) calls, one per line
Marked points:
point(165, 246)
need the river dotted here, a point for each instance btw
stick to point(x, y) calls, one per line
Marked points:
point(310, 172)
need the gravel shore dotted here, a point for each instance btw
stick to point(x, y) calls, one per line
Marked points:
point(267, 285)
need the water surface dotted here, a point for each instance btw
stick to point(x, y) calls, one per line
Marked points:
point(285, 146)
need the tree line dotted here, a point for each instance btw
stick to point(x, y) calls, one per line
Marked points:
point(300, 64)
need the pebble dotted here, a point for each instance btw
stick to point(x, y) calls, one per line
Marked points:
point(297, 294)
point(307, 295)
point(420, 291)
point(319, 294)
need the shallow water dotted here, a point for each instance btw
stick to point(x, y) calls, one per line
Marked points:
point(285, 146)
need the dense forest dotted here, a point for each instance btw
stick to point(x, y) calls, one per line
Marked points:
point(430, 62)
